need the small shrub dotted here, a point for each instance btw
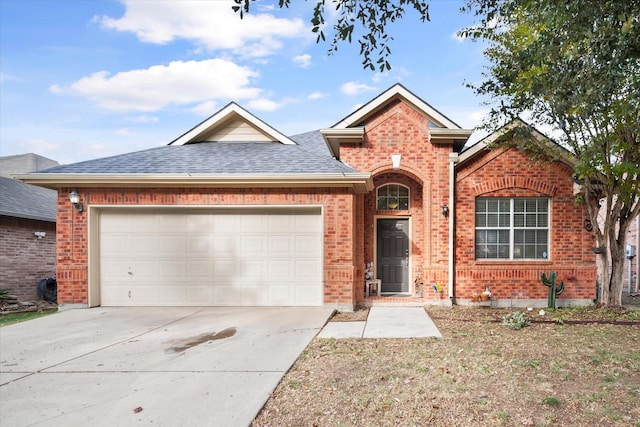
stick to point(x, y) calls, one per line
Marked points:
point(515, 321)
point(551, 401)
point(3, 295)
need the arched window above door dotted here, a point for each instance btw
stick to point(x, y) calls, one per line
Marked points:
point(393, 197)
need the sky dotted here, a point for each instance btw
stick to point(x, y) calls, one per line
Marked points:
point(84, 79)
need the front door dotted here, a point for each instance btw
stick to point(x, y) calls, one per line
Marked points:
point(393, 255)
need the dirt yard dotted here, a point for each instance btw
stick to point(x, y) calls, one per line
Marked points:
point(561, 370)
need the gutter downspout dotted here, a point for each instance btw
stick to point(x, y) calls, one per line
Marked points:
point(453, 159)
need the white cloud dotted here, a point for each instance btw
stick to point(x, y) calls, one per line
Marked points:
point(263, 104)
point(353, 88)
point(125, 132)
point(205, 109)
point(317, 95)
point(210, 24)
point(143, 118)
point(151, 89)
point(303, 61)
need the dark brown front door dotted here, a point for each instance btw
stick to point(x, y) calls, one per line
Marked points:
point(393, 255)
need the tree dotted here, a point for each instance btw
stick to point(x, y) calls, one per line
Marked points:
point(370, 16)
point(574, 65)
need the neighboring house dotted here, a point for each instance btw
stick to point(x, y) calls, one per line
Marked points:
point(632, 265)
point(27, 227)
point(235, 213)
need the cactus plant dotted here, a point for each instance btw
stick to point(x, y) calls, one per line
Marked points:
point(553, 288)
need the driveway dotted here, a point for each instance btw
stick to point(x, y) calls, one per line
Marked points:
point(161, 366)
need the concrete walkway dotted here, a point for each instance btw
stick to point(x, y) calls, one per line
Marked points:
point(385, 322)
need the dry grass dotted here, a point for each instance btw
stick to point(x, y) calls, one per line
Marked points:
point(481, 373)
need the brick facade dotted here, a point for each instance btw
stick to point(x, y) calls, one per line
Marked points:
point(424, 168)
point(509, 173)
point(396, 127)
point(26, 259)
point(338, 207)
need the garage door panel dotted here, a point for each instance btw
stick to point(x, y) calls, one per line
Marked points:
point(171, 244)
point(308, 246)
point(199, 245)
point(281, 245)
point(223, 245)
point(143, 244)
point(239, 257)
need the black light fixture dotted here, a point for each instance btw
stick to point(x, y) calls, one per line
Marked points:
point(445, 210)
point(74, 198)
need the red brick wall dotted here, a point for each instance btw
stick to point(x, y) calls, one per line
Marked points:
point(25, 259)
point(510, 174)
point(400, 129)
point(339, 228)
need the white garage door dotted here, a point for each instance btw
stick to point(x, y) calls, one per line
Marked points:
point(219, 258)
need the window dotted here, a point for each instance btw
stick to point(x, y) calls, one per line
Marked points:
point(393, 197)
point(512, 228)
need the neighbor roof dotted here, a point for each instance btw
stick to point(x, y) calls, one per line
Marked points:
point(22, 200)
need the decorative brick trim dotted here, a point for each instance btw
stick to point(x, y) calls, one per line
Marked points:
point(509, 182)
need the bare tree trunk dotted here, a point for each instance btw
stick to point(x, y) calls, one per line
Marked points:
point(617, 274)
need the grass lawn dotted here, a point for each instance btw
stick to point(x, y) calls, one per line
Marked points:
point(557, 373)
point(10, 319)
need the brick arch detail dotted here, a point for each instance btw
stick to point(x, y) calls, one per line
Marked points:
point(515, 182)
point(407, 170)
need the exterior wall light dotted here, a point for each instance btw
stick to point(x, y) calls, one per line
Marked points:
point(74, 198)
point(445, 210)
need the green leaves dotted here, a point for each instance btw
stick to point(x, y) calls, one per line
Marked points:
point(364, 20)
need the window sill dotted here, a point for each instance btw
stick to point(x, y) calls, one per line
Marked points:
point(514, 261)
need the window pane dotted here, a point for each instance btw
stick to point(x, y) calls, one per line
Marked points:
point(403, 191)
point(504, 205)
point(543, 220)
point(404, 203)
point(504, 220)
point(518, 220)
point(393, 190)
point(492, 220)
point(481, 220)
point(492, 205)
point(382, 204)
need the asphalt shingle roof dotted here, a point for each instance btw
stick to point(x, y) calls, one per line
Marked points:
point(309, 156)
point(21, 200)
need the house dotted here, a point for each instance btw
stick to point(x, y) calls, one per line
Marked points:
point(27, 227)
point(233, 212)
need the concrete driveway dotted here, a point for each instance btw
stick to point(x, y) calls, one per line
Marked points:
point(170, 366)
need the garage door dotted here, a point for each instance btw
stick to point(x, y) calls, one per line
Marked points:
point(219, 258)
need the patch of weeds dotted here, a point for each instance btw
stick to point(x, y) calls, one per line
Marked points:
point(10, 319)
point(529, 363)
point(600, 357)
point(516, 320)
point(609, 379)
point(294, 384)
point(554, 402)
point(504, 416)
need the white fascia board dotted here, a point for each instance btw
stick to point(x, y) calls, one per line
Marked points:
point(222, 115)
point(361, 182)
point(449, 134)
point(333, 137)
point(393, 91)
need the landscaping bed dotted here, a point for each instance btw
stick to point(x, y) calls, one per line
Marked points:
point(480, 373)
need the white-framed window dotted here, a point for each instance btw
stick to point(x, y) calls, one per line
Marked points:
point(512, 228)
point(393, 197)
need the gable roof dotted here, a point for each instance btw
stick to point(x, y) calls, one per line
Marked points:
point(350, 128)
point(507, 131)
point(234, 123)
point(220, 164)
point(20, 200)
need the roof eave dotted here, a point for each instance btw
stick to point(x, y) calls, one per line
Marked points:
point(359, 181)
point(334, 137)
